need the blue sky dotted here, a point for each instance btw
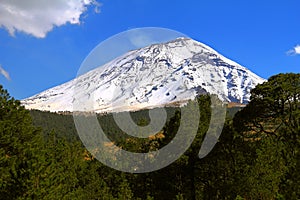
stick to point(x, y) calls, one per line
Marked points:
point(42, 45)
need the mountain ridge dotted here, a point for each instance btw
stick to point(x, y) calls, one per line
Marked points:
point(152, 76)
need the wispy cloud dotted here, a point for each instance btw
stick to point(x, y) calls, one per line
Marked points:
point(294, 51)
point(141, 37)
point(38, 17)
point(141, 41)
point(4, 73)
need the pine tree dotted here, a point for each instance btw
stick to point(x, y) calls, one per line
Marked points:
point(18, 138)
point(273, 115)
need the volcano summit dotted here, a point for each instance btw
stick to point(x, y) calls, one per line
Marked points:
point(153, 76)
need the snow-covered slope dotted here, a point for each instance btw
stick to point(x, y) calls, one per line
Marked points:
point(156, 75)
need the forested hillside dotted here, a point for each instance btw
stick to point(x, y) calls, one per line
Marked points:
point(256, 157)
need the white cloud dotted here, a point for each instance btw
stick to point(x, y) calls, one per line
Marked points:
point(141, 41)
point(4, 73)
point(141, 37)
point(294, 51)
point(38, 17)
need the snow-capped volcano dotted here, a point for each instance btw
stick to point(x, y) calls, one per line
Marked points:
point(156, 75)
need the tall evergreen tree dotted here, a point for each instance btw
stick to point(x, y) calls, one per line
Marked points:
point(18, 138)
point(273, 115)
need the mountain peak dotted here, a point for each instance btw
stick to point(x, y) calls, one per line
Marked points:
point(156, 75)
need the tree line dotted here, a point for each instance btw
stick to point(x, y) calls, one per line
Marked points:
point(256, 157)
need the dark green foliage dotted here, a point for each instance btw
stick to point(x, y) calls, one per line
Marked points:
point(17, 141)
point(62, 124)
point(256, 157)
point(274, 108)
point(273, 115)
